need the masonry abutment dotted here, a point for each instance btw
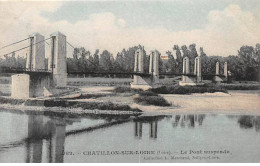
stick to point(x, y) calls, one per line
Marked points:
point(142, 82)
point(187, 78)
point(38, 85)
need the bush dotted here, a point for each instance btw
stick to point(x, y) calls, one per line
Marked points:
point(88, 96)
point(187, 89)
point(152, 100)
point(126, 90)
point(4, 100)
point(240, 87)
point(147, 93)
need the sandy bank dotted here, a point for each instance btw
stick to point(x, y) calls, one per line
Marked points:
point(235, 102)
point(232, 103)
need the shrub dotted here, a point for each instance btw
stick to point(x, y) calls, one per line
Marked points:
point(152, 100)
point(187, 89)
point(147, 93)
point(126, 90)
point(4, 100)
point(88, 96)
point(240, 87)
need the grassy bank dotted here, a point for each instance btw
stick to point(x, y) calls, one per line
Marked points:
point(239, 86)
point(187, 89)
point(144, 97)
point(69, 104)
point(151, 98)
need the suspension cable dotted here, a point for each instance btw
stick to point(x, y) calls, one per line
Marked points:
point(14, 43)
point(26, 47)
point(86, 59)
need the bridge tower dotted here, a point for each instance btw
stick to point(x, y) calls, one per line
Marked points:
point(141, 81)
point(139, 60)
point(197, 69)
point(36, 54)
point(191, 79)
point(217, 78)
point(154, 66)
point(138, 81)
point(186, 66)
point(57, 59)
point(32, 85)
point(225, 70)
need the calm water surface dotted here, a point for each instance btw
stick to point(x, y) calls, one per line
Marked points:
point(92, 138)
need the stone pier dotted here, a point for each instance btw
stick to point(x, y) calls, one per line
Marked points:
point(26, 86)
point(146, 82)
point(226, 70)
point(154, 67)
point(39, 82)
point(197, 68)
point(217, 78)
point(34, 84)
point(187, 77)
point(139, 82)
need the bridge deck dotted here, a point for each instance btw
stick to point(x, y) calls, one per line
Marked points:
point(11, 70)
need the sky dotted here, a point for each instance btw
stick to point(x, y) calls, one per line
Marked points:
point(221, 27)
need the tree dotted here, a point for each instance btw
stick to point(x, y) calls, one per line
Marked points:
point(248, 61)
point(171, 64)
point(106, 61)
point(178, 62)
point(96, 59)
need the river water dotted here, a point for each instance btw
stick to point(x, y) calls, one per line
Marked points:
point(46, 137)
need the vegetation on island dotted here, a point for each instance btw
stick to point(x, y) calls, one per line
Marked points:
point(188, 89)
point(150, 98)
point(69, 104)
point(144, 97)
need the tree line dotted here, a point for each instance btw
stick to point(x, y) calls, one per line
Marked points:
point(243, 66)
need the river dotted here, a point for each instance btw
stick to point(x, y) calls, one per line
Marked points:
point(38, 137)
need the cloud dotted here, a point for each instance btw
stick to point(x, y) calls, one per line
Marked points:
point(223, 35)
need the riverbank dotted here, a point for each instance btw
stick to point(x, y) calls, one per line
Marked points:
point(233, 102)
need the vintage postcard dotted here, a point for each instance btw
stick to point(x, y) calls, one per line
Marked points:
point(130, 81)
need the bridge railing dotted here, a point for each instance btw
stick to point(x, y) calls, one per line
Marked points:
point(21, 70)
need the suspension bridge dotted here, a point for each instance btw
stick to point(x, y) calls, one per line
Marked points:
point(35, 80)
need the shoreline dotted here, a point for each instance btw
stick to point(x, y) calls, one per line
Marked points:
point(233, 103)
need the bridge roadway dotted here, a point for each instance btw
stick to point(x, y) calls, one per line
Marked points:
point(11, 70)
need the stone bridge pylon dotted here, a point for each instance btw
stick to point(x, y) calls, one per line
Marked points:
point(142, 80)
point(37, 83)
point(218, 78)
point(189, 78)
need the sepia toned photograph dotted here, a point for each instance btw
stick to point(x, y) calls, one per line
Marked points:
point(130, 81)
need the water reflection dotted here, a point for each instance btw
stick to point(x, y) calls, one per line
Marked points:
point(188, 120)
point(249, 122)
point(53, 131)
point(46, 137)
point(153, 125)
